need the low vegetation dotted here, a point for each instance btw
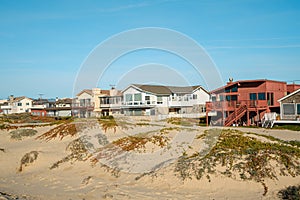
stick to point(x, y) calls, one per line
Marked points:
point(108, 123)
point(138, 142)
point(28, 118)
point(19, 134)
point(27, 159)
point(242, 157)
point(288, 127)
point(182, 121)
point(78, 149)
point(290, 193)
point(61, 131)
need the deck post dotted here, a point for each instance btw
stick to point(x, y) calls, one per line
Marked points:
point(206, 118)
point(248, 120)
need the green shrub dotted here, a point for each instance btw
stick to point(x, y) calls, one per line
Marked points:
point(20, 133)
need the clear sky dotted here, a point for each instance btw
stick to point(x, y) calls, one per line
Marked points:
point(44, 43)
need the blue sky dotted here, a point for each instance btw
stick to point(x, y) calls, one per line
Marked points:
point(44, 43)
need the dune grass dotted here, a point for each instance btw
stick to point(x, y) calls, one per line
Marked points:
point(61, 131)
point(242, 157)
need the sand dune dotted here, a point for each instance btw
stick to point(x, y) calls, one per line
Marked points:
point(83, 180)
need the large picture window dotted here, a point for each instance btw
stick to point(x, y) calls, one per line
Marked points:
point(138, 97)
point(298, 108)
point(128, 97)
point(288, 109)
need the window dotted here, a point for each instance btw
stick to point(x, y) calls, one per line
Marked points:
point(213, 98)
point(138, 97)
point(234, 98)
point(288, 109)
point(27, 104)
point(194, 96)
point(227, 98)
point(82, 102)
point(19, 104)
point(147, 98)
point(128, 97)
point(221, 97)
point(159, 100)
point(253, 96)
point(270, 98)
point(261, 96)
point(298, 108)
point(234, 89)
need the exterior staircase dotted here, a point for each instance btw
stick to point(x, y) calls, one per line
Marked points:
point(236, 115)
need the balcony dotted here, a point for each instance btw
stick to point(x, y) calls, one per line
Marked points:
point(88, 106)
point(140, 103)
point(111, 105)
point(231, 105)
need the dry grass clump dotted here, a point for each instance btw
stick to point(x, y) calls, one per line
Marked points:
point(139, 141)
point(109, 123)
point(79, 152)
point(182, 121)
point(60, 131)
point(27, 159)
point(20, 133)
point(248, 157)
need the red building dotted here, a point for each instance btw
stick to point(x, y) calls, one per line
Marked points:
point(292, 87)
point(244, 102)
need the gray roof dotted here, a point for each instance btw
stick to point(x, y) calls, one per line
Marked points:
point(166, 90)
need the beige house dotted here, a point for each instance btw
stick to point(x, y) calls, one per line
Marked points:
point(110, 102)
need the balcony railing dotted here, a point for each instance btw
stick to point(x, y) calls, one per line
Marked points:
point(140, 103)
point(81, 105)
point(236, 104)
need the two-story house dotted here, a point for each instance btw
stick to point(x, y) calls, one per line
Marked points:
point(110, 102)
point(163, 100)
point(245, 102)
point(60, 108)
point(17, 105)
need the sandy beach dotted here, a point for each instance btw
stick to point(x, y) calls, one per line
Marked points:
point(84, 180)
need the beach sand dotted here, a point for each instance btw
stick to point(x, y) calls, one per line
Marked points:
point(81, 180)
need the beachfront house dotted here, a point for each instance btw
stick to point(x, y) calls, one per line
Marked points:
point(164, 100)
point(60, 108)
point(245, 102)
point(17, 105)
point(39, 107)
point(290, 106)
point(84, 104)
point(110, 102)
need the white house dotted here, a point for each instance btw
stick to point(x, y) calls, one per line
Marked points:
point(164, 100)
point(17, 105)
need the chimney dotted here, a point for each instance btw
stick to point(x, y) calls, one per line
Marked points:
point(11, 98)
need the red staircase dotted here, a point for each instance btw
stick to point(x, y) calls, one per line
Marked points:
point(236, 115)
